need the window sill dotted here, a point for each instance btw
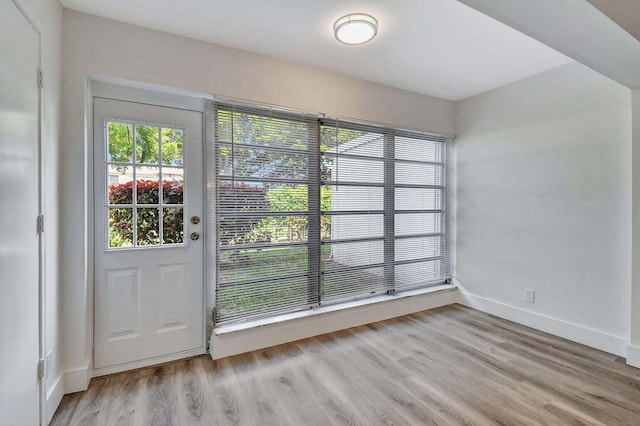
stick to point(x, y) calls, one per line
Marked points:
point(283, 318)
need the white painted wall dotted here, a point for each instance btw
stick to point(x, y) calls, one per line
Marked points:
point(633, 351)
point(544, 202)
point(47, 16)
point(99, 47)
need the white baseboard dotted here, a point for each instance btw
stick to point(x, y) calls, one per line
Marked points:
point(230, 340)
point(77, 380)
point(633, 356)
point(53, 398)
point(587, 336)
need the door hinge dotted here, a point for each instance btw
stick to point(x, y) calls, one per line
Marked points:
point(41, 369)
point(40, 224)
point(40, 79)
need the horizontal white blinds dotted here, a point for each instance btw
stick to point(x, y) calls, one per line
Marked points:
point(262, 212)
point(421, 244)
point(313, 211)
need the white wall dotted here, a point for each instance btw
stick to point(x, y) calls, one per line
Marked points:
point(633, 351)
point(47, 16)
point(99, 47)
point(544, 202)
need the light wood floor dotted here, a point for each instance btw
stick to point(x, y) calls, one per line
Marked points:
point(451, 365)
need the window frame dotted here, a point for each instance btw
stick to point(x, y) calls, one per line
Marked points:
point(314, 181)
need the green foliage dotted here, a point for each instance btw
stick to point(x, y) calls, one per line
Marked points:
point(147, 145)
point(261, 130)
point(148, 226)
point(331, 137)
point(235, 230)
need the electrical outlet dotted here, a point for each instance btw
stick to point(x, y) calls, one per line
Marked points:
point(529, 295)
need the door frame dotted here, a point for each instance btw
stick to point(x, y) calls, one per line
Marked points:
point(154, 96)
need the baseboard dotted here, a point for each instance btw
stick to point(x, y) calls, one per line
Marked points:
point(633, 356)
point(54, 397)
point(77, 380)
point(597, 339)
point(233, 341)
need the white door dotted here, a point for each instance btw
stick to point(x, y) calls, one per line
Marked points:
point(19, 209)
point(149, 289)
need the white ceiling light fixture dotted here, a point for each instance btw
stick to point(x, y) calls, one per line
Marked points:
point(355, 28)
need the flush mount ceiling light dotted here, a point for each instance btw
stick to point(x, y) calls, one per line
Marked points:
point(355, 28)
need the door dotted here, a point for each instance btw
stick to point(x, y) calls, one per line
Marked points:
point(149, 288)
point(19, 209)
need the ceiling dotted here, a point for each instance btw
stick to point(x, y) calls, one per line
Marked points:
point(435, 47)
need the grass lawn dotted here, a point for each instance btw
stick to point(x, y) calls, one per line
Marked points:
point(241, 265)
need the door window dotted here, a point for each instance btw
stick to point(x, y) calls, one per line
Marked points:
point(151, 212)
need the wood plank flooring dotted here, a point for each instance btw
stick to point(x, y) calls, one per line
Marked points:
point(448, 366)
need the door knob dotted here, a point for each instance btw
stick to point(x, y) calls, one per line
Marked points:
point(195, 236)
point(195, 220)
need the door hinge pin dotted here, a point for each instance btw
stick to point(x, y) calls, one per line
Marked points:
point(40, 224)
point(40, 79)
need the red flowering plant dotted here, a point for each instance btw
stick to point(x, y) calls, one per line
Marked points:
point(148, 225)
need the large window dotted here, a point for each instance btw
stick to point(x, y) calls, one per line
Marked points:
point(313, 211)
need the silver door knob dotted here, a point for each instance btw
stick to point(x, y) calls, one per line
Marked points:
point(195, 236)
point(195, 220)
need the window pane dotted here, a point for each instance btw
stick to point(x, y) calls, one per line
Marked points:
point(262, 263)
point(417, 248)
point(406, 149)
point(261, 163)
point(418, 174)
point(341, 227)
point(173, 226)
point(148, 227)
point(172, 185)
point(272, 297)
point(418, 199)
point(147, 179)
point(349, 284)
point(350, 198)
point(147, 147)
point(120, 227)
point(237, 230)
point(418, 223)
point(120, 184)
point(172, 147)
point(259, 196)
point(344, 255)
point(415, 274)
point(262, 130)
point(336, 140)
point(349, 169)
point(120, 142)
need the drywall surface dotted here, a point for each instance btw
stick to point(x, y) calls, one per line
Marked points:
point(633, 355)
point(544, 201)
point(99, 47)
